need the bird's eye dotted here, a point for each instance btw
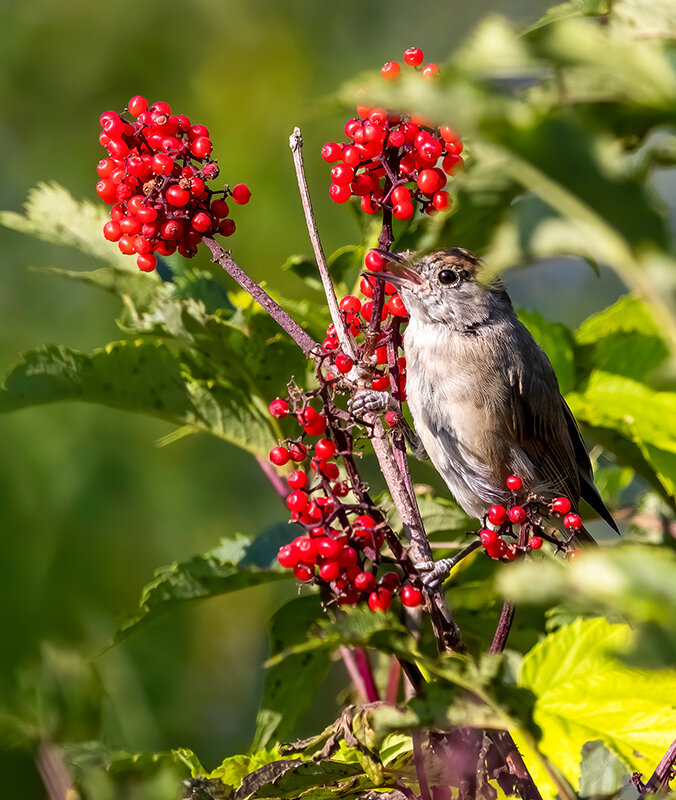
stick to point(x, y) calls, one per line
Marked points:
point(447, 277)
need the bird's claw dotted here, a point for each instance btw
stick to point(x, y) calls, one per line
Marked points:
point(432, 573)
point(369, 401)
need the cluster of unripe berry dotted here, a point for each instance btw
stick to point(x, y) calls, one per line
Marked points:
point(394, 161)
point(341, 549)
point(527, 517)
point(155, 178)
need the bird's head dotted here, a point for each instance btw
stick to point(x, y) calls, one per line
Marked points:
point(445, 287)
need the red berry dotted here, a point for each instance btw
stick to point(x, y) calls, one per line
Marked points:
point(430, 71)
point(441, 201)
point(497, 549)
point(396, 307)
point(390, 580)
point(411, 596)
point(325, 448)
point(497, 514)
point(403, 211)
point(303, 573)
point(488, 537)
point(428, 181)
point(561, 505)
point(392, 418)
point(288, 555)
point(106, 190)
point(279, 408)
point(177, 196)
point(202, 222)
point(219, 208)
point(297, 452)
point(535, 542)
point(517, 514)
point(341, 489)
point(514, 483)
point(344, 363)
point(350, 303)
point(572, 521)
point(297, 479)
point(146, 262)
point(112, 231)
point(329, 572)
point(365, 581)
point(512, 551)
point(348, 557)
point(451, 162)
point(332, 152)
point(330, 549)
point(308, 550)
point(241, 194)
point(137, 105)
point(380, 600)
point(390, 71)
point(339, 194)
point(375, 261)
point(279, 455)
point(171, 230)
point(297, 501)
point(414, 56)
point(201, 147)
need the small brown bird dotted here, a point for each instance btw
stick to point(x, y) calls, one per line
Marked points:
point(483, 395)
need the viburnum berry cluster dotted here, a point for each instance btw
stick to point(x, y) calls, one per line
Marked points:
point(155, 178)
point(348, 547)
point(394, 161)
point(532, 519)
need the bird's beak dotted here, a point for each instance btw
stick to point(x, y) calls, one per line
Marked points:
point(397, 272)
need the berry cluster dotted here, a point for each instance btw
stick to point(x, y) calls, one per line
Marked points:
point(155, 179)
point(346, 539)
point(528, 517)
point(394, 161)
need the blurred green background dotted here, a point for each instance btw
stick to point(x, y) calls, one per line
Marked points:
point(90, 505)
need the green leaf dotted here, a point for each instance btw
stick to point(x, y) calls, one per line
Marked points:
point(584, 695)
point(623, 339)
point(147, 377)
point(641, 416)
point(289, 780)
point(444, 516)
point(53, 215)
point(631, 582)
point(234, 564)
point(234, 769)
point(557, 342)
point(304, 268)
point(601, 772)
point(290, 684)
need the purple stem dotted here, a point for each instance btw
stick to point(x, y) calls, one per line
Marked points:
point(504, 626)
point(393, 680)
point(663, 773)
point(223, 258)
point(419, 761)
point(363, 663)
point(273, 476)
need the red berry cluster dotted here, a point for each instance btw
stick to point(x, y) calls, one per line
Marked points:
point(393, 161)
point(528, 516)
point(346, 536)
point(155, 179)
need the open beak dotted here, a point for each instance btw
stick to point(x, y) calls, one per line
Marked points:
point(397, 272)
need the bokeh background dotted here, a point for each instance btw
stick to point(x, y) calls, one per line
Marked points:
point(89, 504)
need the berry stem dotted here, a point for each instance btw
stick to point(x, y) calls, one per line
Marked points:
point(663, 774)
point(296, 145)
point(419, 761)
point(503, 629)
point(273, 476)
point(359, 670)
point(300, 337)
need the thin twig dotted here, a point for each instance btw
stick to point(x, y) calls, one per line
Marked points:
point(419, 761)
point(223, 258)
point(353, 671)
point(393, 680)
point(503, 629)
point(363, 663)
point(296, 145)
point(53, 771)
point(663, 774)
point(273, 476)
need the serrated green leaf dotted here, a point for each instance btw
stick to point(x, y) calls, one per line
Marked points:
point(234, 769)
point(53, 215)
point(143, 376)
point(584, 695)
point(290, 684)
point(623, 339)
point(328, 779)
point(557, 342)
point(642, 416)
point(234, 564)
point(304, 268)
point(443, 516)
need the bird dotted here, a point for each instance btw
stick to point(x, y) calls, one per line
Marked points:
point(483, 395)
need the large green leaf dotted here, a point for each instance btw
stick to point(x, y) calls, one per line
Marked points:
point(584, 694)
point(53, 214)
point(290, 684)
point(623, 339)
point(234, 564)
point(642, 416)
point(143, 376)
point(632, 582)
